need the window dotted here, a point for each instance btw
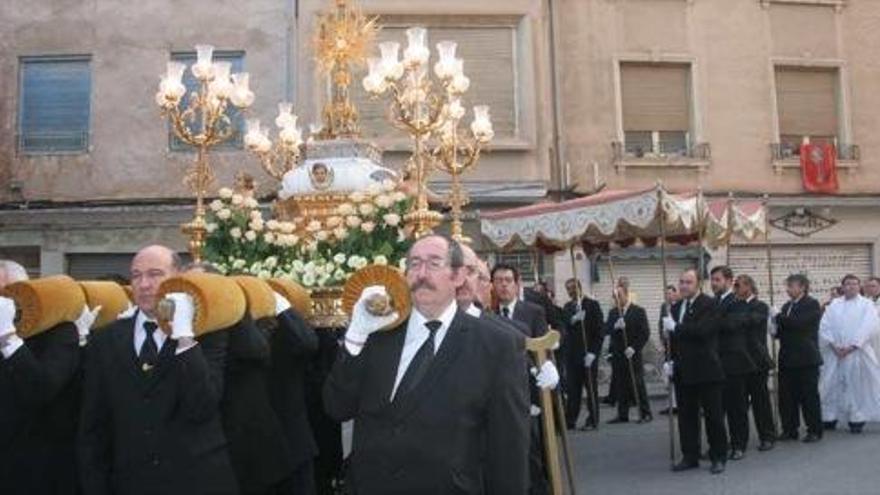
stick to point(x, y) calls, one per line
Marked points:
point(523, 262)
point(54, 104)
point(488, 48)
point(806, 101)
point(236, 58)
point(656, 109)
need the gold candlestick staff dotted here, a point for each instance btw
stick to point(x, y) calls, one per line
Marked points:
point(418, 105)
point(282, 156)
point(202, 122)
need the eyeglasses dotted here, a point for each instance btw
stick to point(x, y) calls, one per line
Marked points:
point(431, 264)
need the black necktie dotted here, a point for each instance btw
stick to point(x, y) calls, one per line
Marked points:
point(420, 362)
point(149, 352)
point(687, 307)
point(505, 312)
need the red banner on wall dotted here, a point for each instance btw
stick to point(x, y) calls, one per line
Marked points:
point(819, 168)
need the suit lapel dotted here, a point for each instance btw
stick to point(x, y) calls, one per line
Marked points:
point(447, 354)
point(125, 353)
point(166, 354)
point(388, 354)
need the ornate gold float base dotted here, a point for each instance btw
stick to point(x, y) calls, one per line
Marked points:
point(327, 308)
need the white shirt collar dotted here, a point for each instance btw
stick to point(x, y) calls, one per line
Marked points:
point(416, 335)
point(474, 311)
point(511, 306)
point(726, 293)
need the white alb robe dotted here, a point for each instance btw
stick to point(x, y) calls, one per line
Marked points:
point(850, 388)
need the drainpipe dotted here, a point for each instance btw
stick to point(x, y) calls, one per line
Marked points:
point(562, 172)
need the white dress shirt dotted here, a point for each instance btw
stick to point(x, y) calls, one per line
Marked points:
point(140, 334)
point(511, 306)
point(687, 303)
point(474, 311)
point(416, 335)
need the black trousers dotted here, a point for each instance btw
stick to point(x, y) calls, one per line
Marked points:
point(624, 393)
point(736, 410)
point(538, 477)
point(692, 398)
point(799, 394)
point(762, 409)
point(576, 381)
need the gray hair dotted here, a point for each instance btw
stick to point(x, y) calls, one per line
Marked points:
point(13, 270)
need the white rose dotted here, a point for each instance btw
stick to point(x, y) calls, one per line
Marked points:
point(251, 202)
point(256, 267)
point(238, 264)
point(224, 214)
point(322, 236)
point(287, 227)
point(339, 258)
point(374, 189)
point(256, 215)
point(340, 233)
point(366, 209)
point(398, 196)
point(264, 274)
point(312, 247)
point(308, 279)
point(339, 274)
point(384, 201)
point(380, 260)
point(314, 226)
point(323, 279)
point(352, 261)
point(269, 237)
point(357, 197)
point(256, 225)
point(235, 232)
point(297, 266)
point(402, 264)
point(211, 227)
point(273, 224)
point(250, 235)
point(237, 199)
point(216, 205)
point(329, 267)
point(345, 209)
point(391, 219)
point(225, 192)
point(333, 222)
point(293, 239)
point(368, 227)
point(361, 262)
point(271, 261)
point(353, 222)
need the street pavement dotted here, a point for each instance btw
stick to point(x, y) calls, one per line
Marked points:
point(633, 459)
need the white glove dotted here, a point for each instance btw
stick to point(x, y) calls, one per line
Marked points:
point(128, 313)
point(668, 369)
point(669, 324)
point(578, 317)
point(620, 324)
point(534, 410)
point(281, 303)
point(7, 317)
point(629, 352)
point(589, 359)
point(771, 326)
point(184, 314)
point(363, 324)
point(548, 377)
point(85, 321)
point(774, 312)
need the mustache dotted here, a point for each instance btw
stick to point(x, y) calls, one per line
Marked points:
point(422, 284)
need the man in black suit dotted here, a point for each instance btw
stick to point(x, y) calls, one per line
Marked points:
point(670, 297)
point(150, 419)
point(751, 315)
point(697, 373)
point(291, 343)
point(582, 320)
point(797, 328)
point(735, 360)
point(629, 334)
point(39, 404)
point(440, 402)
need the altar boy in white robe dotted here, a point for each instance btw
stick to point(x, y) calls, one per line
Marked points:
point(849, 383)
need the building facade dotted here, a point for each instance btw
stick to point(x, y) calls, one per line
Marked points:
point(713, 95)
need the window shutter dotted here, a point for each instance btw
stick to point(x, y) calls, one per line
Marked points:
point(655, 97)
point(807, 101)
point(55, 104)
point(192, 85)
point(489, 61)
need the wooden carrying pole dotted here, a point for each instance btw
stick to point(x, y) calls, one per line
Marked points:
point(774, 347)
point(540, 347)
point(620, 308)
point(664, 271)
point(589, 370)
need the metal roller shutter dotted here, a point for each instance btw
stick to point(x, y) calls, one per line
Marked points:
point(823, 264)
point(88, 266)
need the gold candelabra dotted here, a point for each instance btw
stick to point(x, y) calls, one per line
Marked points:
point(202, 123)
point(278, 158)
point(420, 107)
point(344, 38)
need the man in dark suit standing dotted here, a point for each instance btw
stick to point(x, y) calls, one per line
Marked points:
point(440, 403)
point(39, 403)
point(735, 360)
point(584, 319)
point(697, 373)
point(797, 328)
point(150, 419)
point(629, 334)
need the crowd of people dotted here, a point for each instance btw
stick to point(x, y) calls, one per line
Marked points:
point(448, 401)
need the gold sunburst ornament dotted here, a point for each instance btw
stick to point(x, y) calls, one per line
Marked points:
point(344, 38)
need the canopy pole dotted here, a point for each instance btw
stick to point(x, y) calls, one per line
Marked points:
point(729, 228)
point(589, 370)
point(774, 346)
point(701, 226)
point(665, 338)
point(620, 314)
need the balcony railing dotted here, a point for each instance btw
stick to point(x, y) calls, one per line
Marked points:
point(31, 142)
point(786, 151)
point(666, 154)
